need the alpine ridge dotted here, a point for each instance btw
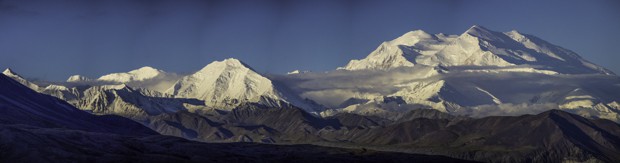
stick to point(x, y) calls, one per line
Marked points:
point(456, 74)
point(140, 74)
point(21, 105)
point(225, 84)
point(479, 96)
point(219, 87)
point(39, 128)
point(477, 46)
point(229, 83)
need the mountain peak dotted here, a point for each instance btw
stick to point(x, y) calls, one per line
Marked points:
point(417, 33)
point(9, 72)
point(229, 83)
point(410, 38)
point(226, 84)
point(481, 32)
point(115, 87)
point(475, 27)
point(227, 63)
point(477, 46)
point(516, 35)
point(146, 70)
point(143, 73)
point(236, 63)
point(78, 78)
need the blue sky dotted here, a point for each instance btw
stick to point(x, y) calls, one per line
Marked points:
point(53, 39)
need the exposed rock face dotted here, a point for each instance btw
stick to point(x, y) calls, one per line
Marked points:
point(551, 136)
point(21, 105)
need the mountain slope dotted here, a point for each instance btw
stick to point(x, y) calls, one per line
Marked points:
point(39, 128)
point(141, 74)
point(402, 51)
point(78, 78)
point(551, 136)
point(478, 73)
point(478, 46)
point(550, 54)
point(31, 144)
point(128, 102)
point(460, 92)
point(144, 77)
point(10, 73)
point(225, 84)
point(229, 83)
point(21, 105)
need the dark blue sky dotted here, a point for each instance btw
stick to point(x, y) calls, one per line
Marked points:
point(52, 39)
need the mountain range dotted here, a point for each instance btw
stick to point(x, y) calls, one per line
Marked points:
point(35, 127)
point(477, 46)
point(481, 96)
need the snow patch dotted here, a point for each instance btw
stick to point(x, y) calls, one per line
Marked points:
point(495, 99)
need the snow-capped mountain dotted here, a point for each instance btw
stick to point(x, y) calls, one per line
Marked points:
point(78, 78)
point(229, 83)
point(21, 105)
point(118, 99)
point(125, 101)
point(472, 93)
point(460, 74)
point(9, 73)
point(144, 77)
point(429, 93)
point(402, 51)
point(33, 123)
point(140, 74)
point(479, 73)
point(477, 46)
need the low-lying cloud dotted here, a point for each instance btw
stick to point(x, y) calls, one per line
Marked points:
point(334, 87)
point(514, 89)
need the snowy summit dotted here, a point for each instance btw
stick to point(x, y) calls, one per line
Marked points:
point(78, 78)
point(140, 74)
point(477, 46)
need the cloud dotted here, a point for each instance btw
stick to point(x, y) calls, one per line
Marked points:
point(334, 87)
point(508, 109)
point(160, 83)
